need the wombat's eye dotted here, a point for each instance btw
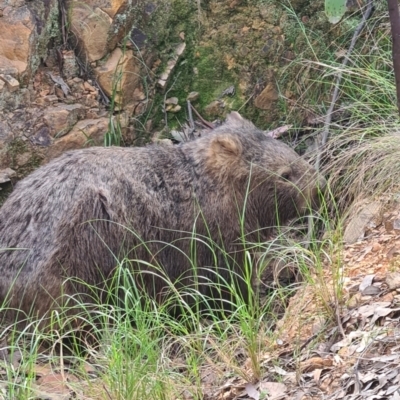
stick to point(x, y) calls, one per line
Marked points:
point(285, 175)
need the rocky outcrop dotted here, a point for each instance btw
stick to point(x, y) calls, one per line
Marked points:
point(65, 69)
point(26, 27)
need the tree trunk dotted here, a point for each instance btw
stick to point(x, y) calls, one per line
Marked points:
point(395, 26)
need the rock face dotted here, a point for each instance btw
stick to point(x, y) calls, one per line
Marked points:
point(48, 51)
point(25, 29)
point(100, 25)
point(120, 76)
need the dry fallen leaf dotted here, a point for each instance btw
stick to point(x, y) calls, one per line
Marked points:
point(274, 390)
point(252, 391)
point(315, 363)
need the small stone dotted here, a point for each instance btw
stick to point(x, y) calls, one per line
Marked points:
point(2, 84)
point(388, 226)
point(89, 87)
point(354, 301)
point(51, 98)
point(172, 100)
point(41, 137)
point(396, 225)
point(371, 291)
point(93, 113)
point(376, 247)
point(61, 119)
point(393, 280)
point(175, 109)
point(12, 83)
point(180, 49)
point(193, 96)
point(6, 174)
point(59, 92)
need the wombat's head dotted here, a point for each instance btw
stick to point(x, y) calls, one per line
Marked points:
point(279, 184)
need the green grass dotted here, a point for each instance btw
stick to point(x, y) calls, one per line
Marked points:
point(360, 157)
point(139, 350)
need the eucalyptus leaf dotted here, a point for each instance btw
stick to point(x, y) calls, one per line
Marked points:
point(334, 10)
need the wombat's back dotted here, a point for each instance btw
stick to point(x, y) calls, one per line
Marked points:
point(70, 218)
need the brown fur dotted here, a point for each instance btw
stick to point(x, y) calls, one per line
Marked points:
point(77, 215)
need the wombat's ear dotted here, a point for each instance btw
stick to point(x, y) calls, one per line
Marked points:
point(234, 117)
point(224, 152)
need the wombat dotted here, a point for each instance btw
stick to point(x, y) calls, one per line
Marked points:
point(65, 226)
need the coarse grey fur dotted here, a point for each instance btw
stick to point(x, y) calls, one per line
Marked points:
point(75, 216)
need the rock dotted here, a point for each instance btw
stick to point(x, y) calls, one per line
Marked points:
point(88, 87)
point(16, 30)
point(376, 247)
point(128, 89)
point(267, 98)
point(99, 25)
point(6, 135)
point(41, 137)
point(90, 28)
point(7, 67)
point(70, 65)
point(50, 99)
point(368, 217)
point(164, 78)
point(62, 118)
point(138, 38)
point(25, 30)
point(172, 100)
point(11, 83)
point(393, 280)
point(193, 96)
point(392, 223)
point(88, 131)
point(175, 109)
point(6, 174)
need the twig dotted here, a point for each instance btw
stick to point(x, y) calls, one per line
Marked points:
point(328, 119)
point(191, 122)
point(206, 123)
point(339, 321)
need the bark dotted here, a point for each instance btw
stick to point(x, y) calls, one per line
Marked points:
point(395, 26)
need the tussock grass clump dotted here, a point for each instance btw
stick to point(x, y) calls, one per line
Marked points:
point(364, 168)
point(360, 158)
